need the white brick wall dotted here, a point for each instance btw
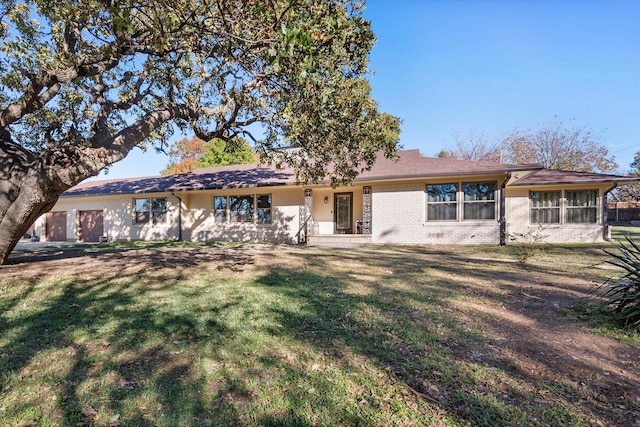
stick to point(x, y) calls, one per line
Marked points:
point(398, 217)
point(117, 216)
point(399, 213)
point(199, 220)
point(518, 220)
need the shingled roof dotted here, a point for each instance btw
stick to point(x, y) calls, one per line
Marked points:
point(410, 164)
point(554, 176)
point(234, 176)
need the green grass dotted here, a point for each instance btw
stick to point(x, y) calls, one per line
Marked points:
point(620, 230)
point(192, 335)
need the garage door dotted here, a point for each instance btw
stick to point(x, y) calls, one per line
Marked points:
point(56, 226)
point(91, 226)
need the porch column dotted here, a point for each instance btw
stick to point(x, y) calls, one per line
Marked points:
point(308, 204)
point(366, 209)
point(306, 212)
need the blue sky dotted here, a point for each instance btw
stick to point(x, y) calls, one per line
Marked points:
point(488, 66)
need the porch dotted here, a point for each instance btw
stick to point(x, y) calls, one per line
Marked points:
point(336, 217)
point(338, 240)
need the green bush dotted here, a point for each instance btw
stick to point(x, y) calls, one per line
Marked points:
point(621, 296)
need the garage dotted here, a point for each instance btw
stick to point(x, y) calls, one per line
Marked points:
point(91, 226)
point(56, 226)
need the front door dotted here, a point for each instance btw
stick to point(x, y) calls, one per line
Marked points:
point(343, 212)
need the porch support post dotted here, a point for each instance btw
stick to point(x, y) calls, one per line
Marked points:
point(308, 205)
point(366, 209)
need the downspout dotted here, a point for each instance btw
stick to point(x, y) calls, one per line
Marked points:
point(503, 210)
point(605, 229)
point(173, 193)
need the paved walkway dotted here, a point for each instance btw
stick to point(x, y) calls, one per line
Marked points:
point(38, 245)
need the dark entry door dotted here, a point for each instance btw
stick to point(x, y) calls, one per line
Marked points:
point(343, 203)
point(56, 226)
point(91, 226)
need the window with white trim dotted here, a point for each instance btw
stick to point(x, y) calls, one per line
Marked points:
point(254, 208)
point(545, 207)
point(220, 208)
point(264, 208)
point(442, 202)
point(479, 200)
point(152, 209)
point(582, 206)
point(241, 208)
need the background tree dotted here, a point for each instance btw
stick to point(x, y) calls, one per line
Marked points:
point(183, 155)
point(473, 146)
point(557, 146)
point(631, 192)
point(235, 151)
point(82, 82)
point(188, 154)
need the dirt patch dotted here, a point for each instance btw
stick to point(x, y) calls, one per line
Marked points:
point(540, 340)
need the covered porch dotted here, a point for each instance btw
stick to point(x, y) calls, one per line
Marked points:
point(336, 216)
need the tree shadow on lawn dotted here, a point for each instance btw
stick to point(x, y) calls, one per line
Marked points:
point(125, 336)
point(103, 340)
point(409, 321)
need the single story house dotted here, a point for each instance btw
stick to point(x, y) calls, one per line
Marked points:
point(413, 200)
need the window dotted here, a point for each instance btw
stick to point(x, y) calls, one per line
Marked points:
point(142, 213)
point(150, 209)
point(582, 206)
point(441, 202)
point(264, 208)
point(241, 208)
point(545, 207)
point(220, 208)
point(479, 200)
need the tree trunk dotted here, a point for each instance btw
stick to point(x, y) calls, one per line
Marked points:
point(19, 215)
point(25, 194)
point(30, 186)
point(31, 183)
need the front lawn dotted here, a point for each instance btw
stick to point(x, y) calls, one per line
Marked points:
point(269, 335)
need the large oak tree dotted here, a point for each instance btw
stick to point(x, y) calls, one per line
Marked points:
point(82, 82)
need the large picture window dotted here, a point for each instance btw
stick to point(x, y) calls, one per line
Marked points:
point(582, 206)
point(545, 207)
point(441, 202)
point(479, 200)
point(150, 210)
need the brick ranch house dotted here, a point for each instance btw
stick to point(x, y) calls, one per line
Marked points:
point(415, 200)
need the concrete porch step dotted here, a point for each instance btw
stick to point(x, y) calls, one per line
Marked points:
point(339, 240)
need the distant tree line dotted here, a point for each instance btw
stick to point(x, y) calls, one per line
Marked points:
point(554, 145)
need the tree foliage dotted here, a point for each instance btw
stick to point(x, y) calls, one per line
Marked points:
point(473, 146)
point(190, 153)
point(82, 82)
point(183, 155)
point(557, 146)
point(221, 153)
point(631, 192)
